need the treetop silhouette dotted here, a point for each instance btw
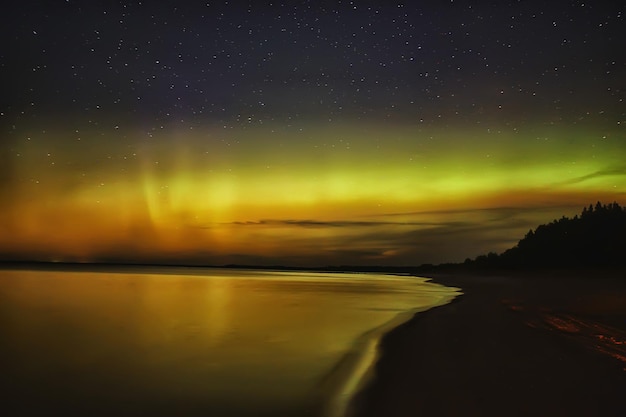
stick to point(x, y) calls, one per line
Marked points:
point(596, 238)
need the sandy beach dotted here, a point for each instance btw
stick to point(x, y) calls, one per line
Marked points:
point(515, 345)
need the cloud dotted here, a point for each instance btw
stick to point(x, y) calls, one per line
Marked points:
point(609, 172)
point(452, 235)
point(405, 242)
point(332, 223)
point(492, 212)
point(408, 238)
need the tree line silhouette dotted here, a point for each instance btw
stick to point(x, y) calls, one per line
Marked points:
point(595, 238)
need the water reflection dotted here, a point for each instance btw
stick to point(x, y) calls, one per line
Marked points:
point(229, 343)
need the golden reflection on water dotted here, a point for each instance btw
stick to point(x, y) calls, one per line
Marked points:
point(252, 338)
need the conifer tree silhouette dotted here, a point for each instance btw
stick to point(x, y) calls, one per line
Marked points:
point(596, 238)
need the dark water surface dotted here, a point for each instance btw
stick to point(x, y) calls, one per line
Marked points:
point(194, 342)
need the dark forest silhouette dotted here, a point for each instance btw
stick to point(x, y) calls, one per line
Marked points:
point(595, 238)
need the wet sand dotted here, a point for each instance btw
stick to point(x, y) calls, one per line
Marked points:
point(549, 345)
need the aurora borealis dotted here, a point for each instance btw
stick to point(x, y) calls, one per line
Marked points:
point(304, 133)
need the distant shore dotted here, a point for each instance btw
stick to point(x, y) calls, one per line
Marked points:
point(518, 344)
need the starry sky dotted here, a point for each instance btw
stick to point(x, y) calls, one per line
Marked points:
point(305, 132)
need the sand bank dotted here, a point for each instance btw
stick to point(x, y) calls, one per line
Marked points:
point(512, 345)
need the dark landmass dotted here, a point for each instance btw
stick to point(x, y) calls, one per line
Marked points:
point(596, 238)
point(520, 345)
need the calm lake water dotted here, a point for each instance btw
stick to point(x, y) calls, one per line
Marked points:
point(195, 342)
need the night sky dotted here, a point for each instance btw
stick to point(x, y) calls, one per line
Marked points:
point(304, 133)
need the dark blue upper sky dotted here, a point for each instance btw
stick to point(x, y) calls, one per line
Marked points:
point(445, 62)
